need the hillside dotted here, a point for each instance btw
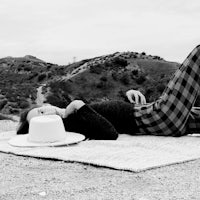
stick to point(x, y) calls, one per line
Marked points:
point(96, 79)
point(19, 79)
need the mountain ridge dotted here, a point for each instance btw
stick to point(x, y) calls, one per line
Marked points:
point(95, 79)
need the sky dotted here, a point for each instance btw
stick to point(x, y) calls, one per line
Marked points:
point(63, 31)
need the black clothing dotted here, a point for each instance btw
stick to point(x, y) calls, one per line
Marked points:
point(103, 121)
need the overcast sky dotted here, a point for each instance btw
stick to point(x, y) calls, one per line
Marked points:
point(58, 30)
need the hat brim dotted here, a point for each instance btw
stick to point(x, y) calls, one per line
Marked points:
point(22, 141)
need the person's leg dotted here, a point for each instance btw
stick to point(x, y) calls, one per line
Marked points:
point(91, 124)
point(168, 115)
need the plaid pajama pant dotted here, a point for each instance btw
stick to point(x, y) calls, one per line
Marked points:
point(173, 113)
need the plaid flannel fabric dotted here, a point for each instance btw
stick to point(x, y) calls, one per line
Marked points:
point(170, 114)
point(193, 123)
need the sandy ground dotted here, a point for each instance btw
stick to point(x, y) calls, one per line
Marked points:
point(30, 178)
point(26, 178)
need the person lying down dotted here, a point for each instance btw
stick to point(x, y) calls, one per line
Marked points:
point(172, 114)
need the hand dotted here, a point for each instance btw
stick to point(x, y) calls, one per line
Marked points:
point(135, 96)
point(73, 107)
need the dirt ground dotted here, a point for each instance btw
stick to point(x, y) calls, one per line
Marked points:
point(27, 178)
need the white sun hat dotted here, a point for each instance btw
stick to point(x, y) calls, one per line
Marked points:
point(46, 130)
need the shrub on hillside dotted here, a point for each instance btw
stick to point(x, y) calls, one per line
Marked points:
point(3, 102)
point(149, 91)
point(60, 86)
point(115, 75)
point(24, 104)
point(125, 78)
point(96, 69)
point(49, 74)
point(135, 72)
point(60, 71)
point(141, 79)
point(41, 77)
point(11, 108)
point(20, 67)
point(14, 111)
point(10, 96)
point(33, 75)
point(160, 87)
point(122, 95)
point(104, 78)
point(27, 68)
point(104, 84)
point(108, 64)
point(49, 66)
point(162, 76)
point(120, 61)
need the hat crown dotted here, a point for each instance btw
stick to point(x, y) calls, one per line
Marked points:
point(46, 129)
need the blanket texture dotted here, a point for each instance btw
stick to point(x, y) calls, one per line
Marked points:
point(132, 153)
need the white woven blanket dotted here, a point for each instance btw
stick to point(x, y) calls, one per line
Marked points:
point(133, 153)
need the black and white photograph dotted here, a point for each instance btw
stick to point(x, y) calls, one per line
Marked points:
point(99, 100)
